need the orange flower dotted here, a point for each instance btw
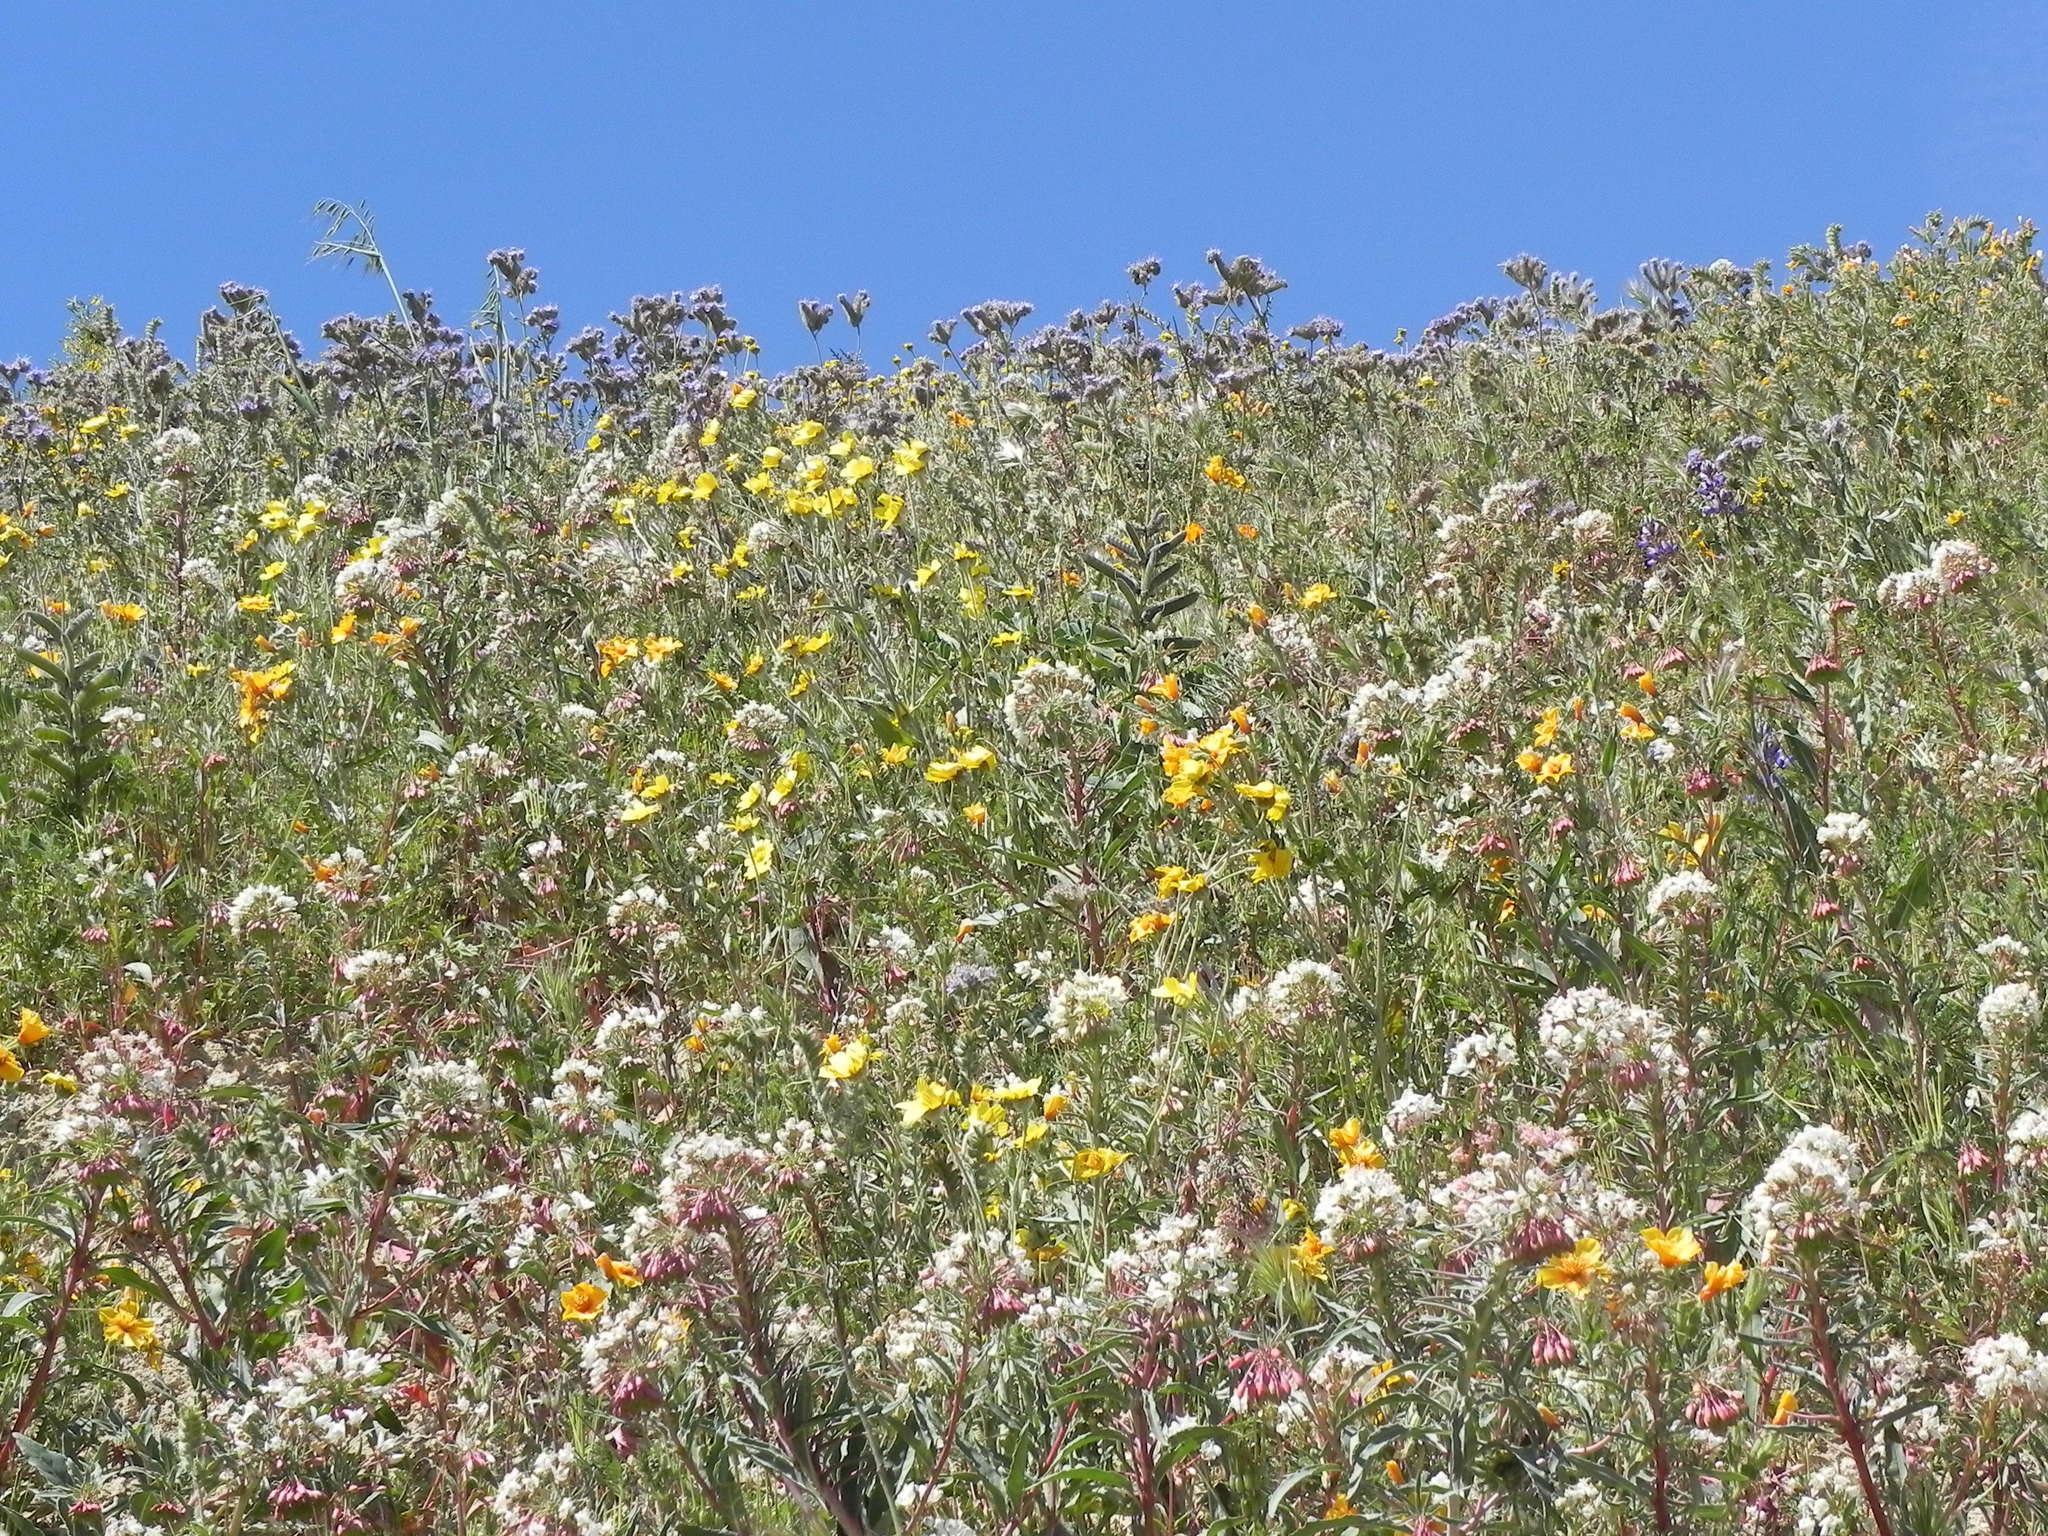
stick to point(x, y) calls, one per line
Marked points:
point(1354, 1148)
point(1674, 1248)
point(1721, 1277)
point(618, 1271)
point(582, 1302)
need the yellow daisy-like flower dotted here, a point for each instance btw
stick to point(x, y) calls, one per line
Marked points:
point(1577, 1271)
point(1094, 1162)
point(924, 1098)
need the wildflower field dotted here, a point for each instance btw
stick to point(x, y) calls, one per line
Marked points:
point(1156, 924)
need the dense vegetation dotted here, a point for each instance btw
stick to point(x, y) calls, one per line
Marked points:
point(1159, 924)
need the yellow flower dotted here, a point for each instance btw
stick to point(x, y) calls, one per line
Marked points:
point(1576, 1271)
point(760, 858)
point(1219, 472)
point(31, 1027)
point(844, 1059)
point(582, 1302)
point(123, 613)
point(1317, 595)
point(1273, 796)
point(1717, 1278)
point(909, 458)
point(925, 1098)
point(11, 1069)
point(1094, 1162)
point(1674, 1248)
point(1179, 990)
point(637, 811)
point(1271, 862)
point(1149, 925)
point(257, 602)
point(1311, 1255)
point(124, 1326)
point(976, 815)
point(259, 691)
point(1788, 1404)
point(1354, 1148)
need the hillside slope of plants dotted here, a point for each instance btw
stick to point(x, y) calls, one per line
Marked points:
point(1154, 924)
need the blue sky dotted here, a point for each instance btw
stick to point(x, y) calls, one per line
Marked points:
point(1385, 158)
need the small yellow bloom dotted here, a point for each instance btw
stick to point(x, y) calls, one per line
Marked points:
point(925, 1098)
point(1354, 1148)
point(1271, 862)
point(124, 1326)
point(1577, 1271)
point(845, 1059)
point(1149, 925)
point(1311, 1255)
point(1094, 1162)
point(31, 1027)
point(1675, 1248)
point(1179, 990)
point(582, 1302)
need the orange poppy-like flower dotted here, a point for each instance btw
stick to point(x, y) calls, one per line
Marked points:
point(581, 1303)
point(1674, 1248)
point(1722, 1277)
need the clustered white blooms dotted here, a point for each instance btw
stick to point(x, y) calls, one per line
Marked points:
point(1952, 566)
point(2006, 1369)
point(1457, 689)
point(2007, 1016)
point(1051, 703)
point(374, 970)
point(1686, 898)
point(262, 908)
point(2026, 1139)
point(1812, 1191)
point(1842, 832)
point(1482, 1055)
point(1363, 1207)
point(1083, 1004)
point(1302, 992)
point(1589, 1031)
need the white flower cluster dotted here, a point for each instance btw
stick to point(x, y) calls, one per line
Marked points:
point(1843, 832)
point(1482, 1055)
point(374, 970)
point(1952, 566)
point(1050, 702)
point(2007, 1015)
point(2026, 1140)
point(1082, 1004)
point(1176, 1265)
point(1809, 1192)
point(262, 908)
point(1457, 688)
point(2007, 1369)
point(1363, 1206)
point(635, 908)
point(1302, 992)
point(1686, 898)
point(1590, 1030)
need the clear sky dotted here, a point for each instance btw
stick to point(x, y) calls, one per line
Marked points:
point(1384, 157)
